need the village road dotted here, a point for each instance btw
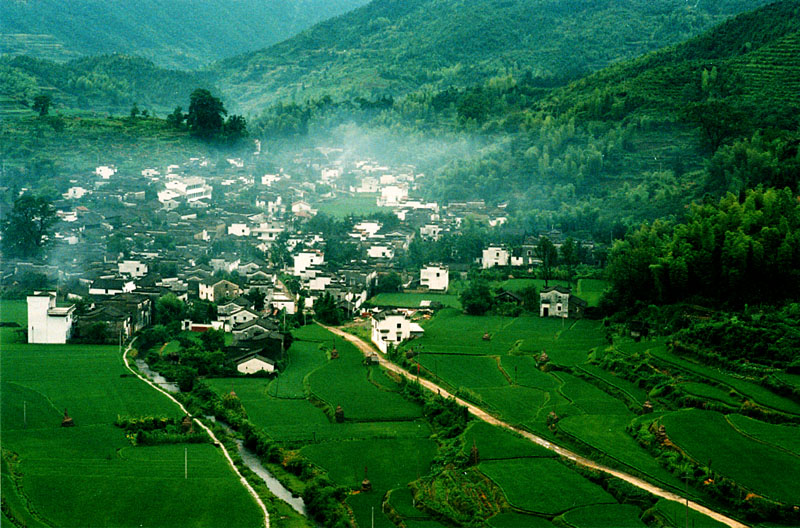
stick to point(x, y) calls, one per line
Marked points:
point(578, 459)
point(209, 432)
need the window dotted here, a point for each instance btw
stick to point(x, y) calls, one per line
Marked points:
point(399, 325)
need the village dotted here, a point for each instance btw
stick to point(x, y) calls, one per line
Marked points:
point(242, 246)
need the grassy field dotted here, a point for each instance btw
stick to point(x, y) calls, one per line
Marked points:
point(345, 382)
point(566, 342)
point(85, 475)
point(382, 430)
point(709, 392)
point(543, 485)
point(518, 520)
point(413, 300)
point(345, 205)
point(607, 435)
point(494, 443)
point(782, 436)
point(675, 514)
point(709, 439)
point(605, 516)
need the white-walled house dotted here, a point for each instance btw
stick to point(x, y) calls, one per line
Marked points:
point(132, 268)
point(111, 286)
point(431, 231)
point(392, 195)
point(240, 230)
point(190, 189)
point(283, 301)
point(435, 277)
point(380, 251)
point(48, 323)
point(391, 327)
point(494, 256)
point(307, 259)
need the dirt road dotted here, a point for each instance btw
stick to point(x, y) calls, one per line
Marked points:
point(486, 417)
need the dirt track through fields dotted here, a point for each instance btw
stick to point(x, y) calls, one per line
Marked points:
point(367, 350)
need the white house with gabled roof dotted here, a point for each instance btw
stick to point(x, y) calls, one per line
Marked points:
point(391, 327)
point(48, 323)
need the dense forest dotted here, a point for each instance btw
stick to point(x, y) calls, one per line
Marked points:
point(391, 47)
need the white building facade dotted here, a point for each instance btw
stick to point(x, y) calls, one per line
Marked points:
point(494, 256)
point(435, 277)
point(392, 328)
point(47, 323)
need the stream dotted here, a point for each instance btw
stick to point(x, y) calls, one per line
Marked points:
point(155, 377)
point(248, 457)
point(251, 461)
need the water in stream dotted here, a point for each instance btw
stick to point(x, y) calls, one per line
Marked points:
point(251, 460)
point(155, 377)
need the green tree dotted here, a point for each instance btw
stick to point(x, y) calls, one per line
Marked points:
point(213, 340)
point(134, 111)
point(205, 117)
point(41, 104)
point(177, 117)
point(235, 127)
point(389, 282)
point(257, 298)
point(168, 309)
point(548, 254)
point(27, 228)
point(476, 298)
point(326, 310)
point(569, 255)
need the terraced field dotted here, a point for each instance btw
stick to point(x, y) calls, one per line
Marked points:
point(543, 485)
point(710, 439)
point(380, 426)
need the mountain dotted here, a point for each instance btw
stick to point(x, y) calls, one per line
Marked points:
point(390, 47)
point(172, 33)
point(107, 83)
point(640, 139)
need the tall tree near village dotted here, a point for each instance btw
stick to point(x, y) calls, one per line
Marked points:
point(548, 254)
point(205, 117)
point(28, 226)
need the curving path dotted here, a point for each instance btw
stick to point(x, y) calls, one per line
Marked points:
point(578, 459)
point(208, 431)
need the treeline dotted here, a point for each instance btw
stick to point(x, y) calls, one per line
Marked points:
point(742, 250)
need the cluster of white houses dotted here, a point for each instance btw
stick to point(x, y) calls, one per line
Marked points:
point(248, 215)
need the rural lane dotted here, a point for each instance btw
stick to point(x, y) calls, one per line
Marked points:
point(578, 459)
point(208, 431)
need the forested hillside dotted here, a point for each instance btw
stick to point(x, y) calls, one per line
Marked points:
point(390, 47)
point(636, 141)
point(172, 33)
point(112, 83)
